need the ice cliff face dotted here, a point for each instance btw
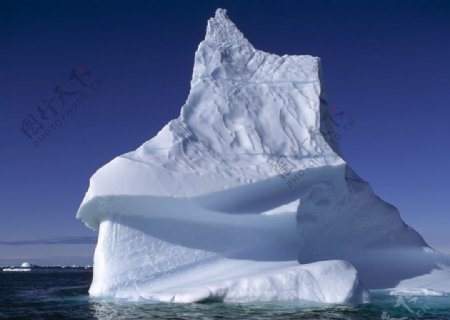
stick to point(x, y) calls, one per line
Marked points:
point(249, 181)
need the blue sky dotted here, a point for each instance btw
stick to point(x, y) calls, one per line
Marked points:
point(385, 64)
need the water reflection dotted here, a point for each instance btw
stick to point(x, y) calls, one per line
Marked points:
point(117, 309)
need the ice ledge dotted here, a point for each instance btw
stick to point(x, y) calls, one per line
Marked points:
point(332, 281)
point(223, 32)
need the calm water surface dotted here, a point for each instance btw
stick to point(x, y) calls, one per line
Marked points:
point(62, 294)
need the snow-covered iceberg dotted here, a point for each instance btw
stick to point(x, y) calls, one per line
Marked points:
point(246, 196)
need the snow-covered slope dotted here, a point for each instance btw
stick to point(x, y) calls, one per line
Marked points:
point(228, 199)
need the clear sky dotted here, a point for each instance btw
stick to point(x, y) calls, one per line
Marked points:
point(386, 64)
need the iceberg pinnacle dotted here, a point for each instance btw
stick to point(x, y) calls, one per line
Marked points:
point(246, 197)
point(221, 31)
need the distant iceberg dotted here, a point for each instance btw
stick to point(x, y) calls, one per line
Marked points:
point(24, 267)
point(12, 269)
point(247, 197)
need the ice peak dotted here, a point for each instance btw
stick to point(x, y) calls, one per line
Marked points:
point(221, 13)
point(223, 32)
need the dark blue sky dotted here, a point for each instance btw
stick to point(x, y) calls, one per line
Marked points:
point(386, 64)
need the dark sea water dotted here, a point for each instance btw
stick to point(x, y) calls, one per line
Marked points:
point(62, 294)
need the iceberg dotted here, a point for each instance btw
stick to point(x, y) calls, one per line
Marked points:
point(246, 196)
point(24, 267)
point(16, 269)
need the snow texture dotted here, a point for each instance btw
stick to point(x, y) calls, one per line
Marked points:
point(246, 196)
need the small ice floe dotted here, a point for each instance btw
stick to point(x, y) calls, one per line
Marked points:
point(417, 292)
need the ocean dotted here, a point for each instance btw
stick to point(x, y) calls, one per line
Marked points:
point(63, 294)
